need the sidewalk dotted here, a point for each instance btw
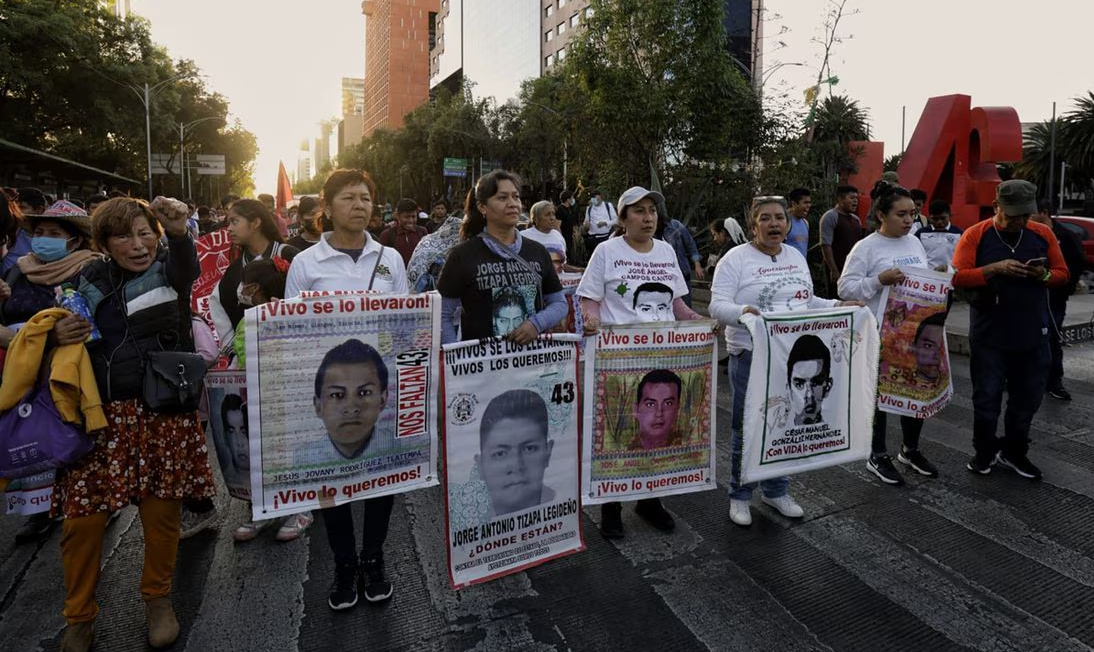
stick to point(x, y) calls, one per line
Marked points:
point(1078, 323)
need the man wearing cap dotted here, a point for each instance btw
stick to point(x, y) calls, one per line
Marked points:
point(1006, 263)
point(599, 219)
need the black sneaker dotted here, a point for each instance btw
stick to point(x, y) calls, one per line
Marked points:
point(1020, 465)
point(343, 592)
point(1059, 393)
point(913, 458)
point(981, 464)
point(611, 521)
point(652, 512)
point(375, 587)
point(36, 526)
point(882, 467)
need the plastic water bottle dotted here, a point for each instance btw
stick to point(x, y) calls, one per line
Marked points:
point(71, 300)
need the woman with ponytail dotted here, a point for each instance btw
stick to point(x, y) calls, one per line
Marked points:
point(873, 263)
point(494, 257)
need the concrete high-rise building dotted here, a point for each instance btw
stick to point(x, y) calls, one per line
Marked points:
point(492, 43)
point(120, 7)
point(398, 38)
point(468, 47)
point(744, 30)
point(561, 20)
point(742, 20)
point(303, 162)
point(352, 127)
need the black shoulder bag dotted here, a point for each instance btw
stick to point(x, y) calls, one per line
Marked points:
point(173, 380)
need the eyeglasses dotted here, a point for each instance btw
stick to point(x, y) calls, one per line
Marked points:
point(768, 199)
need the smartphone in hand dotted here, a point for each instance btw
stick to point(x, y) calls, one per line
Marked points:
point(1037, 262)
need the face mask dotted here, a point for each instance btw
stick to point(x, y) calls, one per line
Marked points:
point(49, 249)
point(596, 201)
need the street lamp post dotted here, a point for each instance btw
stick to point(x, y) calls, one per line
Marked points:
point(146, 95)
point(182, 153)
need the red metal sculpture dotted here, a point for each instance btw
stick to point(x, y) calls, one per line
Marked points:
point(952, 156)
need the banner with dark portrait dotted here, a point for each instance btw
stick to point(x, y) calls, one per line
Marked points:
point(649, 411)
point(342, 395)
point(810, 399)
point(227, 392)
point(510, 417)
point(914, 376)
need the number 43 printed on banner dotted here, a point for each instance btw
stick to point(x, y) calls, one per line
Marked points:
point(563, 393)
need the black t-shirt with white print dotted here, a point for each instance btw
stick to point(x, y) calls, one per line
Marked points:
point(496, 294)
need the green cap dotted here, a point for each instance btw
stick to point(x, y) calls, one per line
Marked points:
point(1017, 197)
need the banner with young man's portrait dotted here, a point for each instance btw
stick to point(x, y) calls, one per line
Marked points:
point(810, 399)
point(227, 393)
point(649, 411)
point(341, 401)
point(511, 419)
point(914, 377)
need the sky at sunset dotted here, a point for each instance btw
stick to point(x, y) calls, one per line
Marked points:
point(280, 62)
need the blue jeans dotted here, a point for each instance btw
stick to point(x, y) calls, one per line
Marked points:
point(740, 364)
point(1022, 375)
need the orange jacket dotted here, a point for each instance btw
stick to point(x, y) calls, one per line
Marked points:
point(964, 256)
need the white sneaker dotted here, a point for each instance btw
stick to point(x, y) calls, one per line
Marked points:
point(294, 526)
point(740, 512)
point(786, 506)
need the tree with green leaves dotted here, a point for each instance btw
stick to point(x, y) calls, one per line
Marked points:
point(662, 104)
point(69, 75)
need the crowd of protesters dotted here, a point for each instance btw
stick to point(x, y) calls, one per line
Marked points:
point(135, 264)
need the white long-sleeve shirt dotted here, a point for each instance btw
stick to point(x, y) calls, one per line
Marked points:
point(870, 257)
point(746, 276)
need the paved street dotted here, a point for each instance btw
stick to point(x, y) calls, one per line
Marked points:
point(959, 563)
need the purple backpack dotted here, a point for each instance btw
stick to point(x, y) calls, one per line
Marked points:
point(34, 438)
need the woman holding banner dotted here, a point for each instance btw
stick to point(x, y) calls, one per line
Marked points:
point(348, 258)
point(763, 276)
point(635, 254)
point(874, 263)
point(482, 275)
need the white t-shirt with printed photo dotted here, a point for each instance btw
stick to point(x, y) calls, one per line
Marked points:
point(616, 273)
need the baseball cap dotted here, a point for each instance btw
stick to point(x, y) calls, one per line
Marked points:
point(635, 194)
point(1017, 197)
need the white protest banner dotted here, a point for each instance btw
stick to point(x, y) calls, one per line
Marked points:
point(649, 411)
point(342, 396)
point(30, 495)
point(227, 392)
point(511, 455)
point(914, 377)
point(810, 399)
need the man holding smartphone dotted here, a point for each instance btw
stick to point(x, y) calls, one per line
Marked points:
point(1006, 263)
point(1072, 249)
